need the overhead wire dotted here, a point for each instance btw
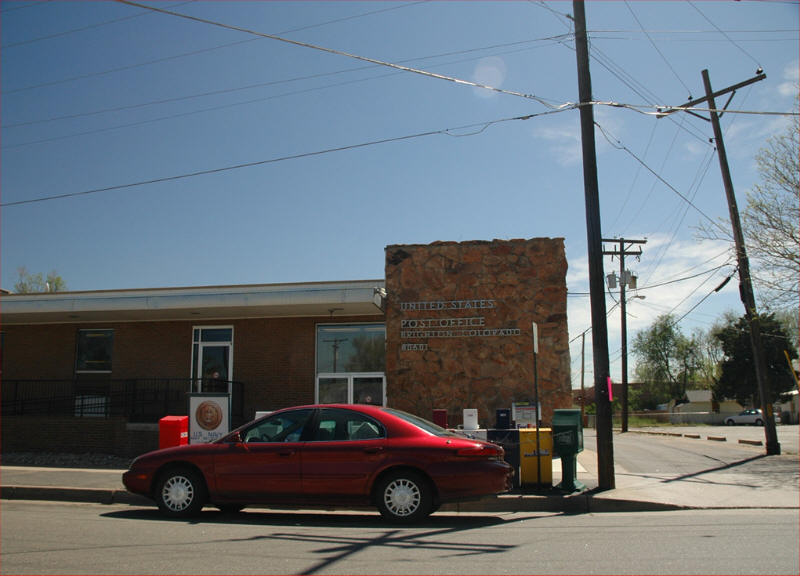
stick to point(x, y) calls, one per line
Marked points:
point(727, 37)
point(205, 172)
point(285, 81)
point(202, 50)
point(343, 53)
point(620, 146)
point(657, 49)
point(75, 30)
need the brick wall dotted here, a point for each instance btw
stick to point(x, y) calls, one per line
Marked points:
point(274, 358)
point(75, 435)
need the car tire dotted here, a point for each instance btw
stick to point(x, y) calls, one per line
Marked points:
point(404, 496)
point(759, 422)
point(729, 422)
point(181, 492)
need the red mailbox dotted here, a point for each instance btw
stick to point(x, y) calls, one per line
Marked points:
point(440, 417)
point(173, 431)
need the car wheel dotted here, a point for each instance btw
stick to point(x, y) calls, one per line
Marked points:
point(729, 422)
point(404, 497)
point(181, 492)
point(759, 422)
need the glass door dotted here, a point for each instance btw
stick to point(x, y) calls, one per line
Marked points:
point(212, 359)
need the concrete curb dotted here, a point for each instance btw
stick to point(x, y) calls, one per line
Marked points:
point(62, 494)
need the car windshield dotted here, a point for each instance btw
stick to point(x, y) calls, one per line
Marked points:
point(425, 425)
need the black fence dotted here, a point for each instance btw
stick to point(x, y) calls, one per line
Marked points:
point(138, 400)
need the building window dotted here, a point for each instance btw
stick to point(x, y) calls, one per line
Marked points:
point(351, 348)
point(94, 350)
point(351, 361)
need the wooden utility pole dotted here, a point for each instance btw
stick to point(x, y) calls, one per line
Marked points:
point(623, 283)
point(745, 283)
point(602, 374)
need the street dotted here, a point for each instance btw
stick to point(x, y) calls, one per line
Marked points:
point(61, 538)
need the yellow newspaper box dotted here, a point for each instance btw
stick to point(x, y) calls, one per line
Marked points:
point(536, 464)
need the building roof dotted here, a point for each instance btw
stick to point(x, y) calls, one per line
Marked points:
point(356, 298)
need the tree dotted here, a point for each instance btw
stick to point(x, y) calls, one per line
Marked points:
point(667, 362)
point(771, 220)
point(30, 283)
point(738, 376)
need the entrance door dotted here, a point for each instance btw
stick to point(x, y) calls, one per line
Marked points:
point(212, 360)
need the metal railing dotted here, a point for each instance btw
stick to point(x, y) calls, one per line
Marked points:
point(138, 400)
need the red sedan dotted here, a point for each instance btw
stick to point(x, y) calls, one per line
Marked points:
point(332, 455)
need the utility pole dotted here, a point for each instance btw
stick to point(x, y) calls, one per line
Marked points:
point(625, 280)
point(745, 282)
point(602, 375)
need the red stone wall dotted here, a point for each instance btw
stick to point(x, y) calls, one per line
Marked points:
point(459, 326)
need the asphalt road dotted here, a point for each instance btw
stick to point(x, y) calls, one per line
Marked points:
point(59, 538)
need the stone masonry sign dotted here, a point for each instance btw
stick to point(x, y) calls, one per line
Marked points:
point(459, 321)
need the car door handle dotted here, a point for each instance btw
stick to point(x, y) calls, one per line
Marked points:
point(286, 453)
point(373, 449)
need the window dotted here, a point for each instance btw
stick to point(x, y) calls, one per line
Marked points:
point(94, 350)
point(351, 348)
point(346, 425)
point(283, 427)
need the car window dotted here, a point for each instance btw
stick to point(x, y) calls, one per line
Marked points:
point(343, 425)
point(282, 427)
point(421, 423)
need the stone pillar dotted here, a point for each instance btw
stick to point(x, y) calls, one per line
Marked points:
point(459, 326)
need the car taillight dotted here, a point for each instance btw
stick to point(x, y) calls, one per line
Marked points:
point(481, 451)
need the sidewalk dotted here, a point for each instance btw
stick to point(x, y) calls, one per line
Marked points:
point(758, 482)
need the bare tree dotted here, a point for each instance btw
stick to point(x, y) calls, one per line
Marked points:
point(771, 221)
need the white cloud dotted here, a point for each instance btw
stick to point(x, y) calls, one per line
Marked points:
point(791, 77)
point(682, 282)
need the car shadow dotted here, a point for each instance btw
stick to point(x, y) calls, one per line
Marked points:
point(445, 533)
point(311, 518)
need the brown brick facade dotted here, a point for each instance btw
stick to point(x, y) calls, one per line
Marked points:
point(274, 358)
point(459, 326)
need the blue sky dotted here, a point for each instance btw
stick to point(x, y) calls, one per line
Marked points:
point(102, 95)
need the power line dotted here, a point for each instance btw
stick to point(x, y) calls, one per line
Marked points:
point(617, 144)
point(283, 81)
point(345, 54)
point(74, 30)
point(445, 132)
point(655, 46)
point(728, 38)
point(201, 51)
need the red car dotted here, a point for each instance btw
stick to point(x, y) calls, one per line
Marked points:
point(332, 455)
